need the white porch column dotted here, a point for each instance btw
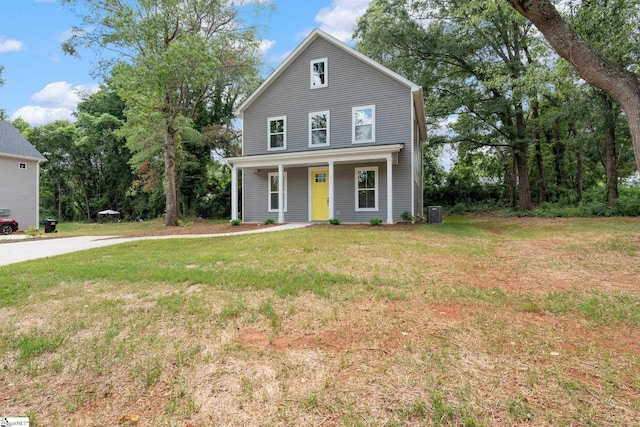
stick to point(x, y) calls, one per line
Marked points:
point(331, 204)
point(389, 189)
point(234, 193)
point(280, 194)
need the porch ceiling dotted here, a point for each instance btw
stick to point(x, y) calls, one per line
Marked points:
point(317, 157)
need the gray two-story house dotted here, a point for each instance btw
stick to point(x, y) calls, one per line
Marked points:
point(19, 177)
point(330, 134)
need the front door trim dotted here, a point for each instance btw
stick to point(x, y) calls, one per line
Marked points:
point(310, 191)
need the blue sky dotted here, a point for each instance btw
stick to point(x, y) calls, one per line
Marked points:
point(42, 83)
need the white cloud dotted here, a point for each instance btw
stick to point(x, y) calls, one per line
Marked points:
point(339, 19)
point(265, 46)
point(277, 59)
point(65, 35)
point(56, 101)
point(10, 45)
point(36, 115)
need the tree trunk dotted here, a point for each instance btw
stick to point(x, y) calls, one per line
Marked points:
point(513, 184)
point(523, 181)
point(610, 157)
point(580, 177)
point(542, 188)
point(558, 155)
point(521, 149)
point(618, 82)
point(170, 176)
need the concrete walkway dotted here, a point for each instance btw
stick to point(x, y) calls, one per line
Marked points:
point(30, 249)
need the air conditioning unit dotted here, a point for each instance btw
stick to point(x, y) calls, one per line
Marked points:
point(5, 213)
point(434, 214)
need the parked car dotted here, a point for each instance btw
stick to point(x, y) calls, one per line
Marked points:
point(8, 226)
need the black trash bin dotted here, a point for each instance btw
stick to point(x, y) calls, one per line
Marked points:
point(50, 226)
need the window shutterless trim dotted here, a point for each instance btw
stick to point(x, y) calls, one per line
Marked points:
point(354, 110)
point(270, 192)
point(327, 129)
point(325, 73)
point(284, 133)
point(376, 189)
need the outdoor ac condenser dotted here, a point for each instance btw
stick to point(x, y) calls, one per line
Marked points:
point(434, 214)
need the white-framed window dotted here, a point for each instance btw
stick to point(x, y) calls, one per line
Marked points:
point(273, 191)
point(277, 129)
point(363, 124)
point(22, 165)
point(319, 129)
point(367, 188)
point(319, 73)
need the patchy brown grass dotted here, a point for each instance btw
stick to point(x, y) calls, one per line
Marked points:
point(481, 322)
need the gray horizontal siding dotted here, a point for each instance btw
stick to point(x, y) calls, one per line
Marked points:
point(19, 190)
point(256, 188)
point(351, 83)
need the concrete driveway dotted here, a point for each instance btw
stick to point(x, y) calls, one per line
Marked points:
point(30, 249)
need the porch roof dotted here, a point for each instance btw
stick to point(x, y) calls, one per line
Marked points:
point(316, 157)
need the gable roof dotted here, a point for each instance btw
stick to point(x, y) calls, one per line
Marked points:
point(13, 144)
point(317, 33)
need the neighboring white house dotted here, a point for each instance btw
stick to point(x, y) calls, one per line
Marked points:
point(19, 177)
point(330, 134)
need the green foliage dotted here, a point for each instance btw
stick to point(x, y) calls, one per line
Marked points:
point(334, 221)
point(268, 221)
point(496, 95)
point(519, 409)
point(375, 221)
point(36, 343)
point(235, 222)
point(267, 310)
point(33, 232)
point(171, 61)
point(406, 216)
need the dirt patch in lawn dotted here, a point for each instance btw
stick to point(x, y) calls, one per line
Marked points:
point(204, 228)
point(486, 328)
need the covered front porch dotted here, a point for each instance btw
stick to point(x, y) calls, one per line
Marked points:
point(327, 159)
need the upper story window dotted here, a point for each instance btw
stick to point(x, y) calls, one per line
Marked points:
point(319, 73)
point(277, 133)
point(364, 124)
point(22, 165)
point(319, 129)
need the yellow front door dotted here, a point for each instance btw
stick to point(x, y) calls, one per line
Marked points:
point(319, 195)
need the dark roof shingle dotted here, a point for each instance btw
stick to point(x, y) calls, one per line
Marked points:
point(14, 144)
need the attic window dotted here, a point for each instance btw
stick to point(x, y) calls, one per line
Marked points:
point(22, 165)
point(319, 73)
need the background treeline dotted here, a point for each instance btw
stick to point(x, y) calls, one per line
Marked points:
point(91, 167)
point(527, 133)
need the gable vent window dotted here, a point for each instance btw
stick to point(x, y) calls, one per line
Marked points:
point(22, 165)
point(319, 73)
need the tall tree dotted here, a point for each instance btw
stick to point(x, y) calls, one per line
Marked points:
point(593, 65)
point(102, 157)
point(473, 60)
point(169, 53)
point(61, 195)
